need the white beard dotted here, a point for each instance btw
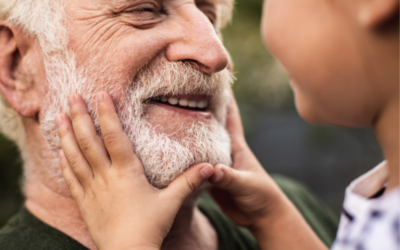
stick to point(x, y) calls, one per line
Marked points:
point(164, 156)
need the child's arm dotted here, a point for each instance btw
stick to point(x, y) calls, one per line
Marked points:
point(249, 196)
point(107, 181)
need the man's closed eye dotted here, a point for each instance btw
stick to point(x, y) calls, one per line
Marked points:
point(143, 16)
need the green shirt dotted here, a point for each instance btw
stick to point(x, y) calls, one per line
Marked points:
point(24, 231)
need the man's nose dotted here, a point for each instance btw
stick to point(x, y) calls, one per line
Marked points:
point(197, 42)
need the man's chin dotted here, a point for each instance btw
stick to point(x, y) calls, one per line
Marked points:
point(165, 156)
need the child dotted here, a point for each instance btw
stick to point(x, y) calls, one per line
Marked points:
point(343, 57)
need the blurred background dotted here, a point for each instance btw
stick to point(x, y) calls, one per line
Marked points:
point(324, 158)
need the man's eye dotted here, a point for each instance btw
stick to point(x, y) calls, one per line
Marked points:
point(140, 10)
point(144, 8)
point(142, 16)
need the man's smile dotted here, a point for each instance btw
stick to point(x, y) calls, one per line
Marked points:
point(189, 102)
point(189, 105)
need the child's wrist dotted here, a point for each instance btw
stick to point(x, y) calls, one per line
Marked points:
point(143, 248)
point(130, 245)
point(281, 208)
point(127, 247)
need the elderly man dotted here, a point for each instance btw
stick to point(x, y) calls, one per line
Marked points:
point(165, 66)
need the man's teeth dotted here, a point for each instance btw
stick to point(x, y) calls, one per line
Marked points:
point(183, 102)
point(192, 104)
point(173, 101)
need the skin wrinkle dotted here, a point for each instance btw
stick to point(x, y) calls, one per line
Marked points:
point(100, 35)
point(97, 36)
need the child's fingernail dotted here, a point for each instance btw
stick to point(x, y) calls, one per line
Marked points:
point(59, 120)
point(206, 172)
point(71, 100)
point(100, 97)
point(220, 174)
point(61, 154)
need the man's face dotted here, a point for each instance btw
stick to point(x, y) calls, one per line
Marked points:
point(122, 36)
point(164, 65)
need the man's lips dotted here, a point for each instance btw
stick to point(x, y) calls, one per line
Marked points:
point(188, 105)
point(189, 102)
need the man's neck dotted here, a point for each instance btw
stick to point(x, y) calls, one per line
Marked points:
point(387, 132)
point(58, 211)
point(190, 228)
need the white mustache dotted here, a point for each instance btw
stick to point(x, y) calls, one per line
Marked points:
point(179, 78)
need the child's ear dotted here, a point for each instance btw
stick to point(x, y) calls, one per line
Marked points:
point(19, 70)
point(373, 13)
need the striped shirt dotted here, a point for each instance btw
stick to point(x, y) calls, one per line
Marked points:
point(370, 217)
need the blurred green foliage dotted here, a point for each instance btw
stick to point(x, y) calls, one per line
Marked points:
point(10, 174)
point(9, 157)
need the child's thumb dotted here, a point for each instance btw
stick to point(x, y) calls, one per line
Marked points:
point(190, 180)
point(226, 178)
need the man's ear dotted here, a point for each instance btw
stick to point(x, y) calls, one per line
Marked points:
point(21, 70)
point(373, 13)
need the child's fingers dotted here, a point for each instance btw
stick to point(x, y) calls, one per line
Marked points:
point(226, 178)
point(116, 141)
point(90, 143)
point(190, 180)
point(74, 185)
point(72, 152)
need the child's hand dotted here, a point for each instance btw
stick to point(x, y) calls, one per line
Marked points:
point(107, 181)
point(249, 196)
